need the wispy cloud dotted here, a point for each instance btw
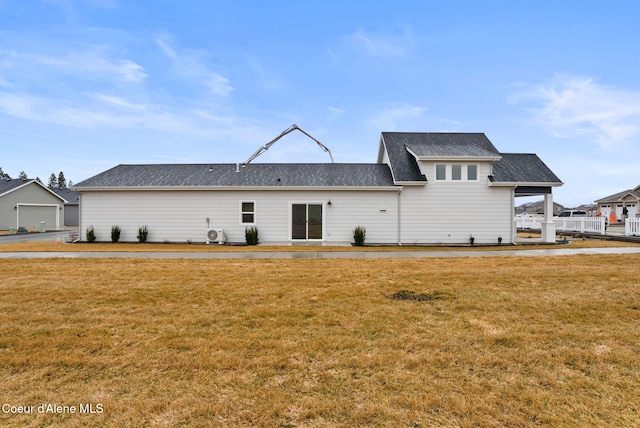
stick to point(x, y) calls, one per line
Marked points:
point(379, 44)
point(119, 102)
point(574, 106)
point(88, 63)
point(334, 113)
point(190, 64)
point(97, 111)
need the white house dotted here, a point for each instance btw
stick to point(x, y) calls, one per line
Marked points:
point(621, 205)
point(426, 188)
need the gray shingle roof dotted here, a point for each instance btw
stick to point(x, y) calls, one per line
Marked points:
point(618, 196)
point(253, 175)
point(72, 198)
point(432, 144)
point(9, 185)
point(522, 168)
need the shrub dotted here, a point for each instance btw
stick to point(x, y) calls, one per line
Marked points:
point(359, 236)
point(500, 240)
point(251, 235)
point(471, 240)
point(91, 234)
point(143, 233)
point(115, 233)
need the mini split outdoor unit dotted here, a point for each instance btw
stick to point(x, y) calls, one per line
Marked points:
point(215, 235)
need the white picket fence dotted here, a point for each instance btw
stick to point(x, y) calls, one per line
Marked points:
point(632, 227)
point(567, 224)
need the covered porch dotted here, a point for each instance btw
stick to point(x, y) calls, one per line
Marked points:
point(547, 225)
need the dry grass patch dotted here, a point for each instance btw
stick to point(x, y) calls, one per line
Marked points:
point(301, 343)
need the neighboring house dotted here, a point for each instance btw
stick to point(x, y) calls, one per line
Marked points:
point(621, 205)
point(30, 205)
point(71, 207)
point(537, 207)
point(426, 188)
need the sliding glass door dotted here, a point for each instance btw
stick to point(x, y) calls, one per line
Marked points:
point(306, 221)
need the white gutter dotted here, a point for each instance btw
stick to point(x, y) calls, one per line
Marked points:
point(214, 188)
point(399, 219)
point(524, 184)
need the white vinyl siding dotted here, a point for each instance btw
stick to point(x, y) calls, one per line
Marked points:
point(178, 216)
point(447, 212)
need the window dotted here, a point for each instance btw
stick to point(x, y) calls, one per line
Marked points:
point(456, 172)
point(472, 172)
point(248, 212)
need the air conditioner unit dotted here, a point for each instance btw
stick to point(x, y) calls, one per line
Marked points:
point(215, 235)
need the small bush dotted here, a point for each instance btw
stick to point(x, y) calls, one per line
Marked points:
point(115, 233)
point(251, 235)
point(91, 234)
point(143, 233)
point(471, 240)
point(359, 236)
point(500, 240)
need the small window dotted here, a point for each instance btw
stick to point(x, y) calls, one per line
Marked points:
point(248, 212)
point(441, 172)
point(456, 172)
point(472, 172)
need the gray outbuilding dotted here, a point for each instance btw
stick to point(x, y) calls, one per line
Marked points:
point(29, 205)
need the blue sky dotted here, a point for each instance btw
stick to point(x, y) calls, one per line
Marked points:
point(89, 84)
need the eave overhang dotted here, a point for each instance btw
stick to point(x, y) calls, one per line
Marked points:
point(235, 188)
point(522, 184)
point(454, 158)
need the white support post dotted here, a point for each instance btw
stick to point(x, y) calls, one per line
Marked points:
point(548, 226)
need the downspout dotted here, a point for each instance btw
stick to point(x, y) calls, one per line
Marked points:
point(399, 220)
point(513, 210)
point(79, 216)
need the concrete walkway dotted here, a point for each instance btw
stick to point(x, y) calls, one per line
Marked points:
point(320, 254)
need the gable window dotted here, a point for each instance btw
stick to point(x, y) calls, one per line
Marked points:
point(472, 172)
point(456, 172)
point(248, 212)
point(441, 172)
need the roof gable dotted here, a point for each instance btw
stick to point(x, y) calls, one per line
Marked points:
point(11, 185)
point(618, 197)
point(404, 148)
